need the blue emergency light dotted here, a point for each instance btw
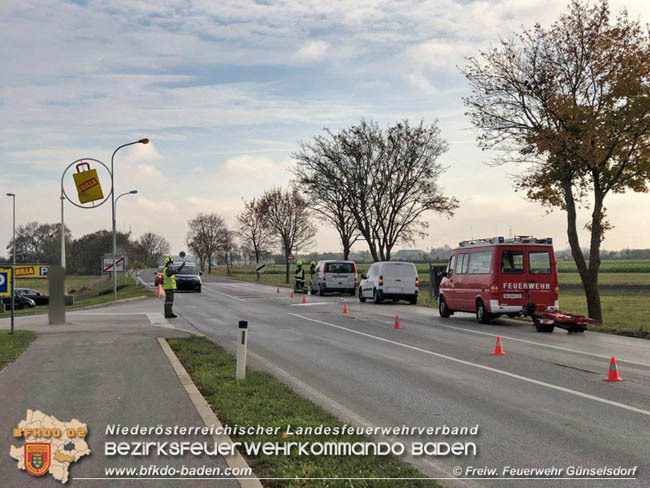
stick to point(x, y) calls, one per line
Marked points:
point(549, 240)
point(501, 239)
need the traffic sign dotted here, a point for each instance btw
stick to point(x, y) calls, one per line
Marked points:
point(260, 268)
point(107, 264)
point(291, 257)
point(5, 282)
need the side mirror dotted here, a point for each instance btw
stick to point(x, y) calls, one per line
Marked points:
point(443, 274)
point(200, 273)
point(364, 277)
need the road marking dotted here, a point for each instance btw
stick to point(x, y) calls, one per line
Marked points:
point(567, 349)
point(156, 319)
point(308, 304)
point(486, 368)
point(340, 409)
point(225, 294)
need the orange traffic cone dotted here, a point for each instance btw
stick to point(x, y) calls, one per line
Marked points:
point(160, 292)
point(397, 325)
point(345, 307)
point(278, 292)
point(291, 295)
point(304, 299)
point(613, 371)
point(498, 349)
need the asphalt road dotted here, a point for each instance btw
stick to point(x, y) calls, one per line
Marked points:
point(544, 404)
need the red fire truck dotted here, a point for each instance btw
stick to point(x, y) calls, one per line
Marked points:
point(498, 276)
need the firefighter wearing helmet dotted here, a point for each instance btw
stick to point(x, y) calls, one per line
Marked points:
point(312, 272)
point(299, 278)
point(169, 285)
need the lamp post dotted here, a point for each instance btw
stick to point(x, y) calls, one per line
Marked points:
point(141, 141)
point(13, 269)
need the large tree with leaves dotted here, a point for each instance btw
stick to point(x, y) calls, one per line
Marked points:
point(572, 102)
point(378, 182)
point(287, 214)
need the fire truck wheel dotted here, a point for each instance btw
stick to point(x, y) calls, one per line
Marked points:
point(443, 310)
point(482, 315)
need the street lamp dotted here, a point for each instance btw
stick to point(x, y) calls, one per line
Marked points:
point(13, 269)
point(141, 141)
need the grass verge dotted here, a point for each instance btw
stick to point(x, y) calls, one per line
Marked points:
point(261, 399)
point(13, 345)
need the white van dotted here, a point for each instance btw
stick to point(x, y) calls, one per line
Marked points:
point(334, 276)
point(390, 280)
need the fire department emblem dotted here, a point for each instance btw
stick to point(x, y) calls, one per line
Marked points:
point(37, 457)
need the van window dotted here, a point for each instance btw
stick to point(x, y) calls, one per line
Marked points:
point(450, 266)
point(339, 268)
point(480, 262)
point(399, 270)
point(512, 262)
point(461, 263)
point(539, 262)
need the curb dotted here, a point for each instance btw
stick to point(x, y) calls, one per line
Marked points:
point(209, 418)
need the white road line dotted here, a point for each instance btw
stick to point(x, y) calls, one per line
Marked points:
point(309, 304)
point(225, 294)
point(106, 313)
point(156, 319)
point(486, 368)
point(510, 338)
point(342, 412)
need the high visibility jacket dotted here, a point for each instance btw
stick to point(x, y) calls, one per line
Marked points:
point(169, 282)
point(299, 275)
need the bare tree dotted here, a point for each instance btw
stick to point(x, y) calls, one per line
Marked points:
point(150, 249)
point(287, 215)
point(205, 236)
point(572, 102)
point(227, 246)
point(254, 231)
point(384, 180)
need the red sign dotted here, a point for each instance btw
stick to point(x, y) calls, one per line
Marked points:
point(291, 257)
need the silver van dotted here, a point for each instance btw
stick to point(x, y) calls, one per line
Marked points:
point(334, 276)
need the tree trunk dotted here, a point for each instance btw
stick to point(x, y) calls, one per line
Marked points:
point(346, 250)
point(286, 260)
point(210, 264)
point(589, 281)
point(227, 265)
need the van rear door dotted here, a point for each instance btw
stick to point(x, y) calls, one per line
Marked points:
point(399, 278)
point(541, 275)
point(512, 281)
point(339, 275)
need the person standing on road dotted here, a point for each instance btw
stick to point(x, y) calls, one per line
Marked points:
point(169, 285)
point(312, 272)
point(299, 277)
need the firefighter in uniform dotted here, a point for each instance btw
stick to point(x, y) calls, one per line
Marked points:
point(169, 285)
point(299, 278)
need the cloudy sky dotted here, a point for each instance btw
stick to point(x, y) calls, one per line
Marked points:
point(225, 89)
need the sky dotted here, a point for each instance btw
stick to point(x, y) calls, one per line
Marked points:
point(226, 89)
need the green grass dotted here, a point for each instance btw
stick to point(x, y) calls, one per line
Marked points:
point(261, 399)
point(13, 345)
point(610, 266)
point(86, 291)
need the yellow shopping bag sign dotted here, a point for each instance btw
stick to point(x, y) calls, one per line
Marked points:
point(88, 186)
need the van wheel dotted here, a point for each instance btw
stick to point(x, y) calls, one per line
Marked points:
point(413, 300)
point(443, 310)
point(375, 297)
point(362, 299)
point(320, 291)
point(482, 315)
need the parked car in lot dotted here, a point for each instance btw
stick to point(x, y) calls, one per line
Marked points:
point(20, 302)
point(39, 298)
point(390, 280)
point(498, 276)
point(334, 276)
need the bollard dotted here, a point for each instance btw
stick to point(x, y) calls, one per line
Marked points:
point(242, 343)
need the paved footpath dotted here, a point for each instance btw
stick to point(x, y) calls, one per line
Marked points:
point(104, 367)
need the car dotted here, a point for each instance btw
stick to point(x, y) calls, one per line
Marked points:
point(20, 302)
point(498, 276)
point(37, 297)
point(390, 280)
point(189, 277)
point(334, 276)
